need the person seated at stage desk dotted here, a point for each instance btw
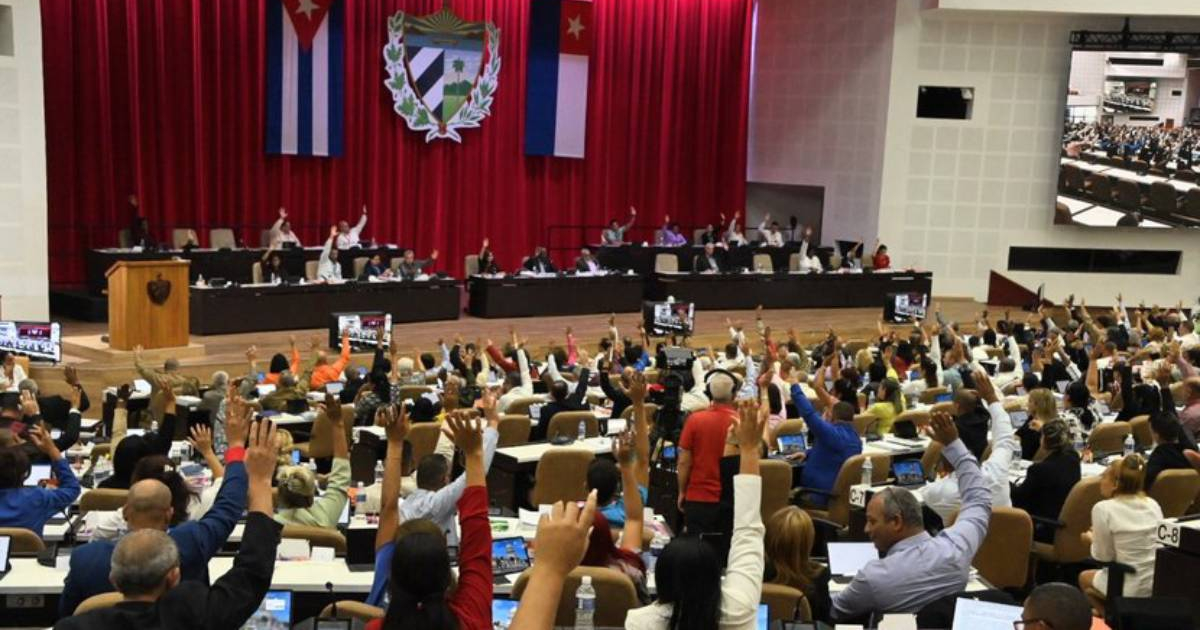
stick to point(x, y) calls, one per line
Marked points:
point(707, 262)
point(375, 269)
point(347, 236)
point(273, 269)
point(669, 235)
point(614, 236)
point(410, 267)
point(881, 259)
point(487, 260)
point(328, 267)
point(772, 236)
point(587, 262)
point(808, 247)
point(539, 262)
point(324, 372)
point(282, 234)
point(733, 236)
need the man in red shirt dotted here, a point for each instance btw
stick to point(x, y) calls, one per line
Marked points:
point(700, 449)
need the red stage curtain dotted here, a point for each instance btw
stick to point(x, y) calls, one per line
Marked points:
point(165, 99)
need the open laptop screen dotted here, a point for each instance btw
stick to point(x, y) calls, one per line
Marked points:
point(509, 555)
point(970, 614)
point(275, 611)
point(848, 558)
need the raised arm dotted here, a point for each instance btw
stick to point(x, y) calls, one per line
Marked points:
point(343, 358)
point(969, 529)
point(626, 455)
point(562, 539)
point(395, 423)
point(201, 440)
point(742, 587)
point(641, 426)
point(362, 222)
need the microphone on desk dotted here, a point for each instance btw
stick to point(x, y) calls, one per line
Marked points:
point(332, 598)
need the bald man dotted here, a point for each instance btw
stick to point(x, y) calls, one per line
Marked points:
point(148, 564)
point(1057, 606)
point(148, 506)
point(701, 446)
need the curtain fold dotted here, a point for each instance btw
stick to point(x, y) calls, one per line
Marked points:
point(164, 99)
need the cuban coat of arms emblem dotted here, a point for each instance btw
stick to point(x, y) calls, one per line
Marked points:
point(442, 71)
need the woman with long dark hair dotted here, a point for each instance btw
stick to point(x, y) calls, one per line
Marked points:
point(602, 551)
point(691, 592)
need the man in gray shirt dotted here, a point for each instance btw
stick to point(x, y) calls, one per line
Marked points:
point(614, 236)
point(436, 498)
point(916, 568)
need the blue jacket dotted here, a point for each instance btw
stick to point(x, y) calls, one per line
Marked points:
point(32, 507)
point(198, 541)
point(832, 444)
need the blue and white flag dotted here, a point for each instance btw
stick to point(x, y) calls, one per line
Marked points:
point(560, 42)
point(305, 76)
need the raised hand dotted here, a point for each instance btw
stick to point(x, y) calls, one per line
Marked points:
point(29, 404)
point(333, 231)
point(983, 385)
point(945, 432)
point(623, 449)
point(237, 418)
point(465, 432)
point(750, 426)
point(332, 409)
point(201, 439)
point(282, 213)
point(71, 375)
point(637, 388)
point(261, 453)
point(44, 443)
point(76, 396)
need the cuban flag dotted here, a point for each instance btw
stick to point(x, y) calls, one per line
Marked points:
point(560, 41)
point(305, 76)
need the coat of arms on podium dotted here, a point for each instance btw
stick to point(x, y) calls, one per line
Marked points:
point(442, 71)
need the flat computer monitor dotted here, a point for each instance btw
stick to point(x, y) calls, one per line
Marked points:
point(908, 472)
point(972, 614)
point(902, 308)
point(363, 329)
point(36, 340)
point(792, 444)
point(509, 555)
point(847, 558)
point(275, 611)
point(669, 318)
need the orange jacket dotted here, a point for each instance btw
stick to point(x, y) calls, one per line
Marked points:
point(330, 372)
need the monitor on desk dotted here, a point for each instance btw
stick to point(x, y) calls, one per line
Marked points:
point(669, 318)
point(847, 559)
point(36, 340)
point(275, 611)
point(363, 329)
point(971, 614)
point(509, 555)
point(902, 308)
point(37, 474)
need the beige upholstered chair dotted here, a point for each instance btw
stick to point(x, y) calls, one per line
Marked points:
point(256, 274)
point(514, 430)
point(222, 238)
point(615, 596)
point(1003, 559)
point(353, 609)
point(102, 499)
point(666, 263)
point(310, 269)
point(471, 265)
point(360, 263)
point(561, 476)
point(316, 536)
point(23, 540)
point(1175, 490)
point(763, 262)
point(566, 424)
point(784, 603)
point(776, 486)
point(179, 237)
point(424, 438)
point(1076, 516)
point(96, 602)
point(1109, 437)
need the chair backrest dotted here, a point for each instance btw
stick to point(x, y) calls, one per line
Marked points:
point(849, 475)
point(362, 461)
point(409, 392)
point(23, 540)
point(666, 263)
point(1175, 490)
point(1109, 437)
point(316, 536)
point(102, 499)
point(256, 275)
point(179, 238)
point(794, 262)
point(566, 424)
point(561, 476)
point(929, 395)
point(521, 405)
point(1178, 393)
point(124, 238)
point(864, 422)
point(782, 602)
point(1128, 196)
point(219, 238)
point(514, 430)
point(96, 602)
point(1191, 203)
point(471, 264)
point(776, 486)
point(424, 438)
point(353, 609)
point(789, 427)
point(320, 441)
point(1140, 426)
point(1076, 515)
point(310, 269)
point(918, 417)
point(651, 409)
point(1164, 198)
point(763, 262)
point(360, 263)
point(615, 596)
point(1003, 558)
point(1100, 187)
point(264, 238)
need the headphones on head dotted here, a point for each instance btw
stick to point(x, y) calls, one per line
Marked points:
point(737, 382)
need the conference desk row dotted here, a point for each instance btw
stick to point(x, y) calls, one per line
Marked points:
point(233, 265)
point(641, 259)
point(260, 307)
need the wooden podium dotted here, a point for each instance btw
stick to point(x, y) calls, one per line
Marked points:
point(148, 304)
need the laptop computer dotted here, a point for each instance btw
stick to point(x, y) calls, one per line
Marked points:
point(1018, 418)
point(5, 545)
point(972, 614)
point(37, 474)
point(908, 473)
point(510, 557)
point(947, 397)
point(846, 559)
point(360, 549)
point(503, 611)
point(764, 616)
point(275, 611)
point(792, 444)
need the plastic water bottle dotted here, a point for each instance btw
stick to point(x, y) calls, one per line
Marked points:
point(582, 430)
point(1077, 439)
point(868, 469)
point(378, 472)
point(360, 500)
point(585, 605)
point(657, 544)
point(154, 426)
point(1130, 445)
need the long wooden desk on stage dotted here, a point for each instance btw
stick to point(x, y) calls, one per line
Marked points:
point(269, 307)
point(232, 264)
point(791, 290)
point(148, 304)
point(516, 296)
point(641, 259)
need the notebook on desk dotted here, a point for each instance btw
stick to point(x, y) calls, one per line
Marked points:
point(972, 614)
point(510, 557)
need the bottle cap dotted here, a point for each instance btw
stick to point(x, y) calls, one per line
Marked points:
point(587, 579)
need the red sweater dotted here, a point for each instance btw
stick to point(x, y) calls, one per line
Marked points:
point(472, 602)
